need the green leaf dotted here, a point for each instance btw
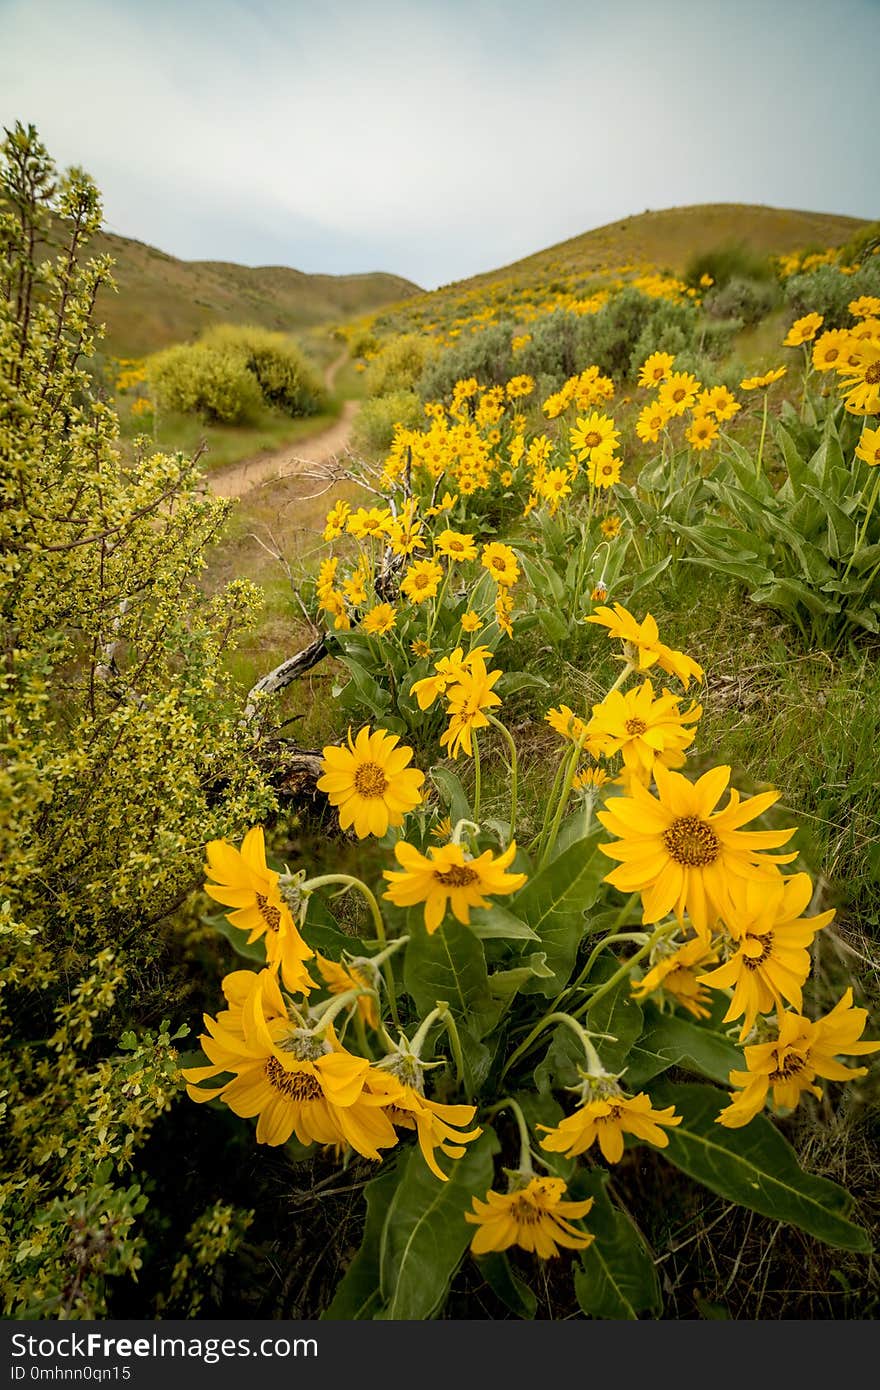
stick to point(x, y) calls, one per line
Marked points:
point(512, 681)
point(362, 689)
point(617, 1278)
point(448, 964)
point(756, 1167)
point(553, 903)
point(513, 1293)
point(674, 1042)
point(504, 984)
point(452, 793)
point(560, 1063)
point(618, 1014)
point(488, 923)
point(358, 1295)
point(425, 1234)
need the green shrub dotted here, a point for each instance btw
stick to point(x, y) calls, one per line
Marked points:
point(286, 380)
point(731, 261)
point(556, 350)
point(486, 356)
point(399, 364)
point(377, 419)
point(743, 299)
point(211, 382)
point(863, 244)
point(828, 291)
point(630, 326)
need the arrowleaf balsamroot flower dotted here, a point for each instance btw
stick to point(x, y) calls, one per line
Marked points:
point(681, 854)
point(370, 783)
point(594, 435)
point(678, 393)
point(465, 704)
point(769, 958)
point(501, 562)
point(437, 1126)
point(341, 976)
point(644, 729)
point(641, 643)
point(655, 369)
point(868, 447)
point(535, 1216)
point(676, 973)
point(789, 1064)
point(803, 330)
point(448, 879)
point(422, 580)
point(244, 881)
point(606, 1115)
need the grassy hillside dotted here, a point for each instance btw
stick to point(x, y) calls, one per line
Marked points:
point(162, 300)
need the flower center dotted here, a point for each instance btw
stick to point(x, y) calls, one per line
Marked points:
point(679, 394)
point(872, 375)
point(370, 780)
point(635, 726)
point(787, 1067)
point(766, 943)
point(592, 440)
point(691, 842)
point(422, 581)
point(459, 876)
point(831, 354)
point(270, 915)
point(295, 1085)
point(524, 1213)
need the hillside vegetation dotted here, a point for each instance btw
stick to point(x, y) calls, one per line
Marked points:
point(161, 300)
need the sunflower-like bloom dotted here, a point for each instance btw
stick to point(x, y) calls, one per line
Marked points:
point(340, 976)
point(678, 393)
point(643, 729)
point(757, 383)
point(448, 879)
point(437, 1126)
point(642, 646)
point(565, 722)
point(594, 435)
point(682, 855)
point(702, 432)
point(370, 783)
point(606, 1115)
point(368, 521)
point(720, 402)
point(535, 1217)
point(865, 307)
point(456, 545)
point(501, 563)
point(676, 973)
point(655, 369)
point(422, 580)
point(294, 1082)
point(789, 1064)
point(828, 350)
point(465, 704)
point(651, 421)
point(335, 521)
point(860, 377)
point(471, 621)
point(380, 619)
point(603, 470)
point(803, 330)
point(868, 447)
point(243, 881)
point(769, 959)
point(448, 670)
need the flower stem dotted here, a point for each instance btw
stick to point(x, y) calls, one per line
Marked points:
point(525, 1154)
point(763, 434)
point(454, 1043)
point(513, 768)
point(554, 1017)
point(349, 881)
point(666, 929)
point(478, 780)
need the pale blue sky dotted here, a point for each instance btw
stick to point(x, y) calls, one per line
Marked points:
point(439, 138)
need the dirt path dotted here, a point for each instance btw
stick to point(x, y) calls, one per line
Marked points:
point(275, 464)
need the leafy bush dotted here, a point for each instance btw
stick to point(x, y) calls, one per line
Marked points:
point(730, 261)
point(828, 291)
point(211, 382)
point(399, 364)
point(743, 299)
point(486, 355)
point(377, 419)
point(863, 244)
point(286, 380)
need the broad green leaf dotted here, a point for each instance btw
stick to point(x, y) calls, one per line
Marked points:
point(322, 931)
point(755, 1166)
point(559, 1065)
point(512, 681)
point(425, 1234)
point(504, 984)
point(550, 624)
point(449, 965)
point(507, 1286)
point(617, 1278)
point(674, 1041)
point(488, 923)
point(553, 903)
point(617, 1014)
point(362, 689)
point(358, 1295)
point(451, 792)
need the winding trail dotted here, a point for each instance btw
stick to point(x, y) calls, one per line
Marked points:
point(274, 464)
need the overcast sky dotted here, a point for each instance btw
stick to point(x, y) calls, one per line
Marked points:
point(439, 138)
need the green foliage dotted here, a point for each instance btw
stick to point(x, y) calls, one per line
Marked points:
point(399, 364)
point(232, 373)
point(730, 261)
point(486, 355)
point(214, 1236)
point(740, 298)
point(632, 325)
point(377, 420)
point(809, 549)
point(121, 754)
point(861, 245)
point(827, 291)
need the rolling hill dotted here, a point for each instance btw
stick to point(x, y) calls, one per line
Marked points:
point(161, 300)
